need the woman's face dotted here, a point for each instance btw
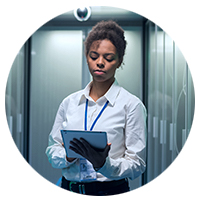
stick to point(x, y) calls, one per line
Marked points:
point(103, 60)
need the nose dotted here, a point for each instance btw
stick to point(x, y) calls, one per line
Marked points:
point(100, 62)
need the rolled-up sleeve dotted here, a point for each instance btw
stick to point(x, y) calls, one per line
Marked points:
point(55, 151)
point(132, 164)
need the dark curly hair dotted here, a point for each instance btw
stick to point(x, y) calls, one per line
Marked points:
point(107, 30)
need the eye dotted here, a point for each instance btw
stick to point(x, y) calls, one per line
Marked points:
point(93, 58)
point(93, 55)
point(109, 58)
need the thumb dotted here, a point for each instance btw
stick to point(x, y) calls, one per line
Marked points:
point(107, 148)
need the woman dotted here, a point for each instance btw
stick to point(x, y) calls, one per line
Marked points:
point(123, 118)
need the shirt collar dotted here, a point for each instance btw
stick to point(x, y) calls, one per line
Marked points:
point(110, 95)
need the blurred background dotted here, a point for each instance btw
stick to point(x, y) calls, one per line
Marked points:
point(51, 65)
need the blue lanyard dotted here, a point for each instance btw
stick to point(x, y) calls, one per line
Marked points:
point(95, 121)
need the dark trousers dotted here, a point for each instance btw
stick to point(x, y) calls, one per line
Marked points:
point(96, 188)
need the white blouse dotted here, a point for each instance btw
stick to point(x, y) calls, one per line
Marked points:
point(124, 120)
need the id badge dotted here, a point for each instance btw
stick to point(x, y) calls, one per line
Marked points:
point(87, 172)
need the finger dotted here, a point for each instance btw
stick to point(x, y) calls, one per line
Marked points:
point(79, 145)
point(75, 147)
point(107, 148)
point(75, 150)
point(85, 143)
point(63, 144)
point(70, 159)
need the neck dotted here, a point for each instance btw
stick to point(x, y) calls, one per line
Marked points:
point(98, 89)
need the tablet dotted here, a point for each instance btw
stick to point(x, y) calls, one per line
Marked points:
point(94, 138)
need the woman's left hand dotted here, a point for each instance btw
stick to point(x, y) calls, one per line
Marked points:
point(82, 147)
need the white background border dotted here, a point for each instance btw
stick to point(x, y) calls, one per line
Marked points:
point(20, 19)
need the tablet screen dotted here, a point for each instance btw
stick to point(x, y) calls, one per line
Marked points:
point(94, 138)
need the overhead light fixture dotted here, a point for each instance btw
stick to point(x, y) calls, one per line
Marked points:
point(82, 14)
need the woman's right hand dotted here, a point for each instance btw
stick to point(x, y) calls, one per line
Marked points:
point(69, 159)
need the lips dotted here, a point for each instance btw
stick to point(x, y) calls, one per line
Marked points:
point(99, 72)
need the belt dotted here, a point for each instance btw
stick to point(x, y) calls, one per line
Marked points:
point(91, 187)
